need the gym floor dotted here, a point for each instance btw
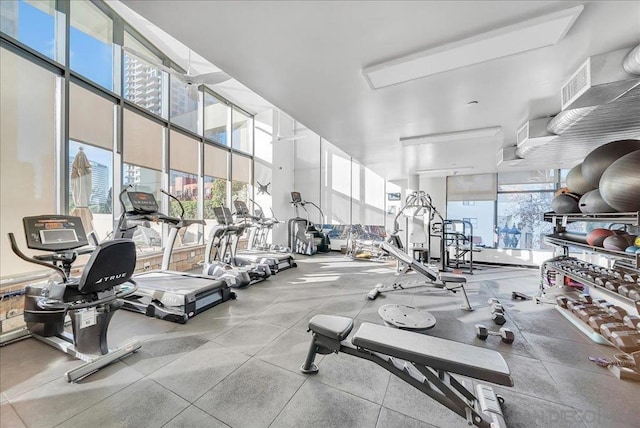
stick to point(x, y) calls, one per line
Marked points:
point(237, 364)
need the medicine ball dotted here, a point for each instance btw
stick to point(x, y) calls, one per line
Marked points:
point(620, 183)
point(562, 190)
point(597, 236)
point(599, 159)
point(631, 249)
point(576, 181)
point(630, 239)
point(615, 242)
point(637, 242)
point(566, 203)
point(592, 202)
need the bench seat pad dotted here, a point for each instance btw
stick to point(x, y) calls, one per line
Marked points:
point(434, 352)
point(331, 326)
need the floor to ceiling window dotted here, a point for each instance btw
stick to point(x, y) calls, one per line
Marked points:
point(27, 162)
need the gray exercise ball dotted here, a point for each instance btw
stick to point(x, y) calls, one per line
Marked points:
point(620, 183)
point(576, 181)
point(599, 159)
point(565, 203)
point(592, 202)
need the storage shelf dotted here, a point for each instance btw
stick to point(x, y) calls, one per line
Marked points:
point(632, 218)
point(585, 328)
point(558, 242)
point(602, 292)
point(626, 260)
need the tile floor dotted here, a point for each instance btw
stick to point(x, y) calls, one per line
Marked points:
point(238, 364)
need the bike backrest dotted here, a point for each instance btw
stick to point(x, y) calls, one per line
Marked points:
point(112, 263)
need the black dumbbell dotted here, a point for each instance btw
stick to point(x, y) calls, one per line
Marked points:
point(505, 334)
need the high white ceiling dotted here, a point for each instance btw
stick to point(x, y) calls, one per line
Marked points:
point(306, 58)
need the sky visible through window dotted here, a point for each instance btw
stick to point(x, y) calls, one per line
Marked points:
point(89, 56)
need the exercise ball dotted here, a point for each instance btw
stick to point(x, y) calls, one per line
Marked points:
point(631, 249)
point(592, 202)
point(620, 183)
point(630, 239)
point(597, 236)
point(562, 190)
point(599, 159)
point(576, 181)
point(615, 242)
point(566, 203)
point(637, 242)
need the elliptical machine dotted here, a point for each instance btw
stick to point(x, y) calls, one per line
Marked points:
point(90, 300)
point(304, 236)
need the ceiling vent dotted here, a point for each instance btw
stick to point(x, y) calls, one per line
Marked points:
point(507, 156)
point(601, 79)
point(533, 134)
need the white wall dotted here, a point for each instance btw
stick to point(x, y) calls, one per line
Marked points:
point(282, 181)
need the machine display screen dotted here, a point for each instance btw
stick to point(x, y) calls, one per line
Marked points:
point(295, 197)
point(57, 235)
point(219, 213)
point(241, 207)
point(54, 232)
point(143, 202)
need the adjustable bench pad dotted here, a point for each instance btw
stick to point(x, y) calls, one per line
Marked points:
point(434, 352)
point(331, 326)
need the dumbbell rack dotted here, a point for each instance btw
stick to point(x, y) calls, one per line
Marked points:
point(625, 261)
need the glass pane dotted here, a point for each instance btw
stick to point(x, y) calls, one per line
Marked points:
point(184, 104)
point(131, 42)
point(534, 176)
point(263, 145)
point(90, 186)
point(184, 153)
point(524, 187)
point(145, 180)
point(520, 223)
point(184, 187)
point(240, 191)
point(28, 112)
point(32, 22)
point(216, 161)
point(90, 117)
point(143, 83)
point(480, 214)
point(216, 115)
point(91, 43)
point(143, 141)
point(477, 187)
point(242, 137)
point(215, 195)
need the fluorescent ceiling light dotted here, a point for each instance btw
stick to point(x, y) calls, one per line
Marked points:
point(523, 36)
point(450, 136)
point(453, 170)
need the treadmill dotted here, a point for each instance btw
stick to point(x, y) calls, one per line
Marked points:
point(277, 261)
point(164, 294)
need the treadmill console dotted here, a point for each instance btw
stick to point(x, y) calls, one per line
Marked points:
point(227, 215)
point(296, 198)
point(241, 209)
point(142, 202)
point(54, 232)
point(219, 213)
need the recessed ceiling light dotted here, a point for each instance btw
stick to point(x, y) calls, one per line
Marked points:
point(523, 36)
point(450, 136)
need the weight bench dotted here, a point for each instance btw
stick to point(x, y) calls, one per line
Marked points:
point(451, 282)
point(424, 362)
